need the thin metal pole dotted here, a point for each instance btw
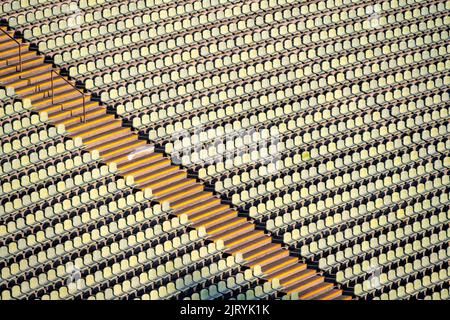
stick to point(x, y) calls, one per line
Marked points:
point(84, 110)
point(51, 78)
point(20, 49)
point(20, 57)
point(51, 85)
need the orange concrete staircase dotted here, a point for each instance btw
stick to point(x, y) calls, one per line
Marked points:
point(41, 86)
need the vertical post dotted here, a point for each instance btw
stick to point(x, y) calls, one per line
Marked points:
point(51, 85)
point(20, 58)
point(84, 110)
point(20, 50)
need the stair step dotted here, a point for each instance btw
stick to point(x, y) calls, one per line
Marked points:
point(270, 257)
point(233, 232)
point(114, 142)
point(91, 123)
point(9, 43)
point(252, 244)
point(260, 251)
point(75, 115)
point(95, 130)
point(37, 83)
point(197, 207)
point(123, 149)
point(208, 212)
point(286, 271)
point(138, 159)
point(305, 284)
point(226, 225)
point(4, 37)
point(25, 73)
point(297, 276)
point(176, 185)
point(15, 60)
point(315, 291)
point(106, 136)
point(329, 295)
point(126, 156)
point(174, 175)
point(182, 193)
point(278, 264)
point(242, 239)
point(66, 104)
point(201, 205)
point(14, 51)
point(186, 202)
point(14, 68)
point(60, 87)
point(156, 175)
point(69, 93)
point(343, 298)
point(216, 219)
point(147, 167)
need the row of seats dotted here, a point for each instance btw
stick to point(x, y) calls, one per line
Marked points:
point(180, 288)
point(192, 151)
point(92, 49)
point(192, 74)
point(154, 133)
point(403, 107)
point(323, 124)
point(139, 66)
point(189, 125)
point(282, 221)
point(353, 159)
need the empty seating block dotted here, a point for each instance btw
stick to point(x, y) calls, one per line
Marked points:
point(195, 150)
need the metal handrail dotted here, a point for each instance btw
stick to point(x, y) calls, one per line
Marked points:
point(51, 78)
point(67, 81)
point(20, 50)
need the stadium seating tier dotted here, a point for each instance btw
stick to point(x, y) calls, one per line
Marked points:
point(220, 149)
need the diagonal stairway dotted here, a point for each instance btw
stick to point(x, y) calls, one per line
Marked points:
point(41, 86)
